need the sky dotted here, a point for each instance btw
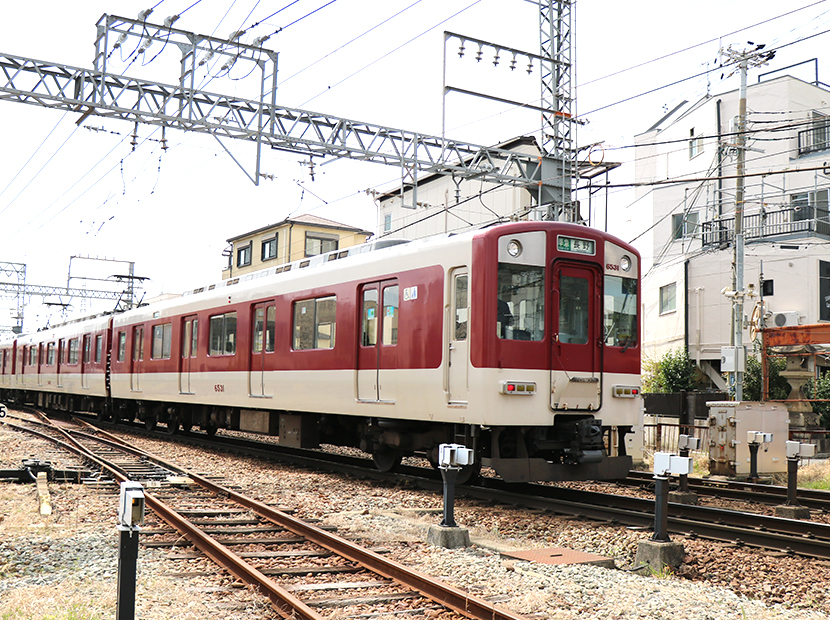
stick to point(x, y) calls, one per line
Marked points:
point(83, 190)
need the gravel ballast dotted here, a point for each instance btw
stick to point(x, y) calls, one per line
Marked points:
point(72, 555)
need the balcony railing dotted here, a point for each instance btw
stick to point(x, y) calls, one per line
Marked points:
point(815, 139)
point(759, 225)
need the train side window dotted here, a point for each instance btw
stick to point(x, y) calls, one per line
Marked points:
point(259, 330)
point(138, 344)
point(162, 341)
point(195, 338)
point(99, 349)
point(369, 335)
point(314, 323)
point(390, 315)
point(521, 302)
point(73, 351)
point(222, 334)
point(50, 354)
point(87, 349)
point(460, 307)
point(122, 346)
point(270, 328)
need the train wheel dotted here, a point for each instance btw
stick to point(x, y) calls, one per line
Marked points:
point(186, 427)
point(469, 473)
point(387, 460)
point(210, 429)
point(150, 423)
point(173, 425)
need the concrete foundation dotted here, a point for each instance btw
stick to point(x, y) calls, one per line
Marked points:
point(657, 555)
point(792, 512)
point(683, 497)
point(448, 537)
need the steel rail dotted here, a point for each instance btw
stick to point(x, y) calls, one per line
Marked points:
point(444, 594)
point(284, 603)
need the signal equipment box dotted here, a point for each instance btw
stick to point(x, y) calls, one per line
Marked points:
point(729, 425)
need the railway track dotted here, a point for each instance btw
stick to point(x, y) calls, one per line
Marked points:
point(302, 568)
point(805, 538)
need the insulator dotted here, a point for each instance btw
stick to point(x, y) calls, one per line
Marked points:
point(496, 59)
point(461, 50)
point(479, 54)
point(530, 67)
point(513, 62)
point(170, 20)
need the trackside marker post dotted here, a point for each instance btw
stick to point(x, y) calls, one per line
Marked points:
point(451, 458)
point(130, 518)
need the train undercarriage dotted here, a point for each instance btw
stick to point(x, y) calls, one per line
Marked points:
point(575, 447)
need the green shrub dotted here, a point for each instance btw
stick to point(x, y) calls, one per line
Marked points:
point(671, 373)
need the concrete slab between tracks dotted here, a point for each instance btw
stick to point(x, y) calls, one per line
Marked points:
point(560, 556)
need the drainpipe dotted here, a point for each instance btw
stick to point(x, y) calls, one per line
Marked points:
point(686, 304)
point(288, 247)
point(720, 158)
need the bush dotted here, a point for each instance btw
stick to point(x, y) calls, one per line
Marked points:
point(671, 373)
point(779, 388)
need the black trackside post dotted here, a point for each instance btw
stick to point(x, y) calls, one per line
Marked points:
point(684, 478)
point(450, 475)
point(792, 482)
point(127, 572)
point(661, 509)
point(753, 460)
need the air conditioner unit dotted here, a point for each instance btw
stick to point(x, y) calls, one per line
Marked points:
point(783, 319)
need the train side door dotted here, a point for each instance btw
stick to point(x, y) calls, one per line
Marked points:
point(377, 355)
point(262, 345)
point(59, 363)
point(38, 361)
point(86, 360)
point(576, 362)
point(190, 337)
point(458, 359)
point(137, 359)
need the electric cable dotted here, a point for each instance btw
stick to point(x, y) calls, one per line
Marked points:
point(35, 152)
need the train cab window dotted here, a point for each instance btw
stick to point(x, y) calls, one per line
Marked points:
point(573, 310)
point(72, 356)
point(162, 341)
point(369, 329)
point(521, 302)
point(50, 354)
point(122, 346)
point(620, 315)
point(314, 323)
point(99, 349)
point(222, 334)
point(390, 315)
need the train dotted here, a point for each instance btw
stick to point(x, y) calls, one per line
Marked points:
point(520, 341)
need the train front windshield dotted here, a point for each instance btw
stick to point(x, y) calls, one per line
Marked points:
point(521, 301)
point(620, 316)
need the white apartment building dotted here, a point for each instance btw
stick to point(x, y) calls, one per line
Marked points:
point(688, 253)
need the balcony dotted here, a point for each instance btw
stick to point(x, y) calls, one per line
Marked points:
point(815, 139)
point(801, 220)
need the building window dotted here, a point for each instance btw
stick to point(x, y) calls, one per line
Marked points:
point(122, 346)
point(223, 334)
point(695, 144)
point(387, 222)
point(269, 248)
point(162, 339)
point(243, 256)
point(810, 206)
point(314, 323)
point(318, 243)
point(823, 291)
point(668, 298)
point(684, 224)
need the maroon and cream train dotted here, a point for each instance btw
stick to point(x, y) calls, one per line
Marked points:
point(519, 340)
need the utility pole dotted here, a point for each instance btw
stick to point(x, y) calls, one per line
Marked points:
point(743, 59)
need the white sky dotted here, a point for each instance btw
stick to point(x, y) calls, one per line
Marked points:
point(63, 191)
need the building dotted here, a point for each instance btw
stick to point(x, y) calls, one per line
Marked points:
point(688, 252)
point(292, 239)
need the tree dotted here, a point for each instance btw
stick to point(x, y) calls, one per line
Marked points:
point(779, 388)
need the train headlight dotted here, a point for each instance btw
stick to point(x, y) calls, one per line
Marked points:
point(625, 263)
point(514, 248)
